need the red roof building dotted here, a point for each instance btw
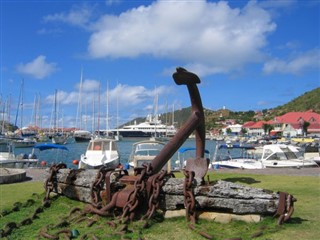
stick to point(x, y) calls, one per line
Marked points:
point(297, 117)
point(289, 124)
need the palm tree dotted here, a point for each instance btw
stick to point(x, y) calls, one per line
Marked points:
point(243, 131)
point(305, 126)
point(267, 128)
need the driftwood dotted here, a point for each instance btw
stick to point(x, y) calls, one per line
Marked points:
point(220, 196)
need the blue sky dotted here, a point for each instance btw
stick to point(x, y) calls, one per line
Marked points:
point(249, 55)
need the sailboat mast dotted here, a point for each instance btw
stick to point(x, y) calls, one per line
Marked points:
point(99, 109)
point(118, 115)
point(79, 109)
point(3, 113)
point(173, 114)
point(55, 112)
point(39, 122)
point(93, 116)
point(34, 109)
point(21, 119)
point(107, 110)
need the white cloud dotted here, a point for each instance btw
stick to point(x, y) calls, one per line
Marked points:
point(62, 97)
point(128, 97)
point(37, 68)
point(112, 2)
point(213, 35)
point(90, 85)
point(294, 65)
point(78, 16)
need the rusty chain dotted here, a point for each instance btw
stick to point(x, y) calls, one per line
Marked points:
point(133, 200)
point(189, 199)
point(153, 189)
point(97, 186)
point(51, 182)
point(285, 207)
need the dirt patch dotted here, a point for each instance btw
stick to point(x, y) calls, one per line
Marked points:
point(37, 174)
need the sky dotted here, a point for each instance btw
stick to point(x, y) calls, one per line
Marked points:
point(249, 55)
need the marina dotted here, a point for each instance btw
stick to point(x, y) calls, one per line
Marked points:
point(76, 149)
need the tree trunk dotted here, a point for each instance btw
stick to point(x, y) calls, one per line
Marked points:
point(219, 196)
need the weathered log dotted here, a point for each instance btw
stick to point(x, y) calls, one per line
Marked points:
point(218, 196)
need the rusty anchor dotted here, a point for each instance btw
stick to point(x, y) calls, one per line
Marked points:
point(115, 191)
point(147, 180)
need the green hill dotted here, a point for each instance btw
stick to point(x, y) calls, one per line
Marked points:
point(305, 102)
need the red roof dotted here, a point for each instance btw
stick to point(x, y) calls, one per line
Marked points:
point(296, 117)
point(258, 124)
point(248, 124)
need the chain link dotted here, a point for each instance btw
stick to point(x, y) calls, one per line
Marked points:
point(133, 200)
point(157, 182)
point(189, 199)
point(51, 182)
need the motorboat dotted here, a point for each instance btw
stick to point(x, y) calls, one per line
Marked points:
point(24, 142)
point(283, 156)
point(235, 156)
point(312, 152)
point(53, 153)
point(60, 138)
point(185, 153)
point(100, 152)
point(82, 136)
point(143, 152)
point(8, 159)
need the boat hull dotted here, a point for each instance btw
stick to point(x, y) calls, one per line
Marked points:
point(18, 163)
point(238, 164)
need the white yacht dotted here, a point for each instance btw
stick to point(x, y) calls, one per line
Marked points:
point(283, 156)
point(82, 136)
point(240, 156)
point(153, 127)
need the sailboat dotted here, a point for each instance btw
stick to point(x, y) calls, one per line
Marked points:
point(22, 141)
point(57, 137)
point(81, 135)
point(107, 133)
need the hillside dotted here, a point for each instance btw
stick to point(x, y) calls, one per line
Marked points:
point(305, 102)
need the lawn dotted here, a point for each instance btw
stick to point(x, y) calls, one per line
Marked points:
point(303, 224)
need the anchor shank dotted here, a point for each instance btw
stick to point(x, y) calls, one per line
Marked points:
point(175, 143)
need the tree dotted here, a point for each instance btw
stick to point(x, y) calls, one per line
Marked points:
point(305, 126)
point(267, 128)
point(243, 131)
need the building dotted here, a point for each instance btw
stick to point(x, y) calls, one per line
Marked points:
point(287, 125)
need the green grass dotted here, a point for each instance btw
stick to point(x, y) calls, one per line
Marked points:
point(303, 224)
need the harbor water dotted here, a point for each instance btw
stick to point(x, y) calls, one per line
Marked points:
point(76, 149)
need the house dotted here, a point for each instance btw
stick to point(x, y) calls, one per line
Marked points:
point(292, 123)
point(287, 125)
point(234, 128)
point(255, 128)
